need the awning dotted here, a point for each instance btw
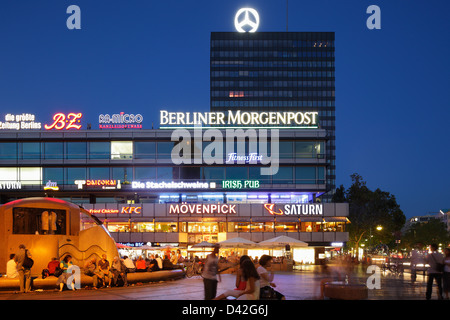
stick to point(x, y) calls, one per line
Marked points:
point(336, 219)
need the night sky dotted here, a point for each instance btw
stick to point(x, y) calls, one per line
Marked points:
point(392, 85)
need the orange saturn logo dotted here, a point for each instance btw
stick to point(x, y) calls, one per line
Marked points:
point(269, 207)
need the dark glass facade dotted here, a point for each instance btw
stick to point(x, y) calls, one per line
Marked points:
point(277, 71)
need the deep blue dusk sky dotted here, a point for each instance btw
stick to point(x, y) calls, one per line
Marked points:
point(392, 85)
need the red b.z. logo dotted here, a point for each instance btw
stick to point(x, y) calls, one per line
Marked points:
point(61, 121)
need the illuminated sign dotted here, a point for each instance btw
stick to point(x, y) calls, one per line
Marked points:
point(24, 121)
point(124, 210)
point(239, 184)
point(305, 209)
point(10, 185)
point(239, 118)
point(120, 121)
point(242, 19)
point(61, 121)
point(51, 185)
point(104, 184)
point(187, 208)
point(173, 185)
point(252, 157)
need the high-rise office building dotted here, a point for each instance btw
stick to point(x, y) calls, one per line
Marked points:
point(277, 71)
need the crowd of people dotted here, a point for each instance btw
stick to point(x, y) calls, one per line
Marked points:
point(252, 283)
point(254, 280)
point(103, 272)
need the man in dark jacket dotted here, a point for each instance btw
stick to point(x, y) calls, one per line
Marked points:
point(24, 273)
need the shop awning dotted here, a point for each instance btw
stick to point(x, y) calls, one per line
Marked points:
point(311, 219)
point(336, 219)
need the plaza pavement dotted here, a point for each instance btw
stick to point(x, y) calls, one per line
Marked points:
point(300, 284)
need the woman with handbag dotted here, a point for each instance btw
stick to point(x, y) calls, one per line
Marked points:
point(267, 284)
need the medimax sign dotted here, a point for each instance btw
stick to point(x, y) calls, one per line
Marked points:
point(239, 118)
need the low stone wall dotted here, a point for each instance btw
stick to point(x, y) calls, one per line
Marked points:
point(50, 282)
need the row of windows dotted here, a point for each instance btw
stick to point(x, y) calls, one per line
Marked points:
point(128, 150)
point(272, 54)
point(276, 84)
point(216, 227)
point(278, 74)
point(270, 64)
point(273, 103)
point(68, 175)
point(272, 93)
point(273, 43)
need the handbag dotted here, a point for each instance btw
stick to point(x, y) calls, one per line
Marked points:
point(267, 293)
point(27, 261)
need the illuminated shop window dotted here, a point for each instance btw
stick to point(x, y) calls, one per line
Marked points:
point(32, 175)
point(118, 226)
point(286, 227)
point(39, 221)
point(143, 227)
point(166, 227)
point(121, 150)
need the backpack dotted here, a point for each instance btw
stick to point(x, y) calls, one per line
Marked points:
point(27, 261)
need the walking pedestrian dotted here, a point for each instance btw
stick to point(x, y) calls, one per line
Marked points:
point(446, 276)
point(210, 274)
point(434, 259)
point(23, 270)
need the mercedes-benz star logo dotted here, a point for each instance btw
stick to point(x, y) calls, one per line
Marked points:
point(253, 23)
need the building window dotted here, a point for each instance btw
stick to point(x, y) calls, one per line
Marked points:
point(53, 150)
point(122, 173)
point(30, 175)
point(39, 220)
point(76, 150)
point(164, 150)
point(145, 173)
point(166, 227)
point(98, 173)
point(73, 174)
point(144, 150)
point(121, 150)
point(54, 175)
point(99, 150)
point(31, 150)
point(8, 150)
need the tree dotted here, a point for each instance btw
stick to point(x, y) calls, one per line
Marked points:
point(425, 233)
point(369, 209)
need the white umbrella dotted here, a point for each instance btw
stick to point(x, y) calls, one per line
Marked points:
point(145, 247)
point(237, 242)
point(204, 244)
point(282, 241)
